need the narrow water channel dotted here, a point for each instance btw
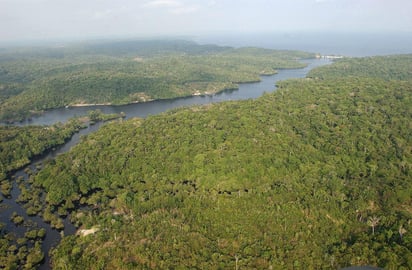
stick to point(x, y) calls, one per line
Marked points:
point(10, 205)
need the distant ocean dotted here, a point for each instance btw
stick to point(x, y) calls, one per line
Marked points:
point(347, 44)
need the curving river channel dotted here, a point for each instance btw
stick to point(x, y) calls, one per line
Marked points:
point(245, 91)
point(142, 110)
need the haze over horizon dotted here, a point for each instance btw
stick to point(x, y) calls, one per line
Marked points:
point(23, 20)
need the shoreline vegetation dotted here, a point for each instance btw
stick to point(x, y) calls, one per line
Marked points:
point(21, 146)
point(35, 80)
point(12, 138)
point(315, 175)
point(87, 105)
point(321, 165)
point(196, 93)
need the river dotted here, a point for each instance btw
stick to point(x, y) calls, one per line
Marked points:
point(245, 91)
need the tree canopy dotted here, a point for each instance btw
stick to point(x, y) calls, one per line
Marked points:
point(316, 175)
point(33, 80)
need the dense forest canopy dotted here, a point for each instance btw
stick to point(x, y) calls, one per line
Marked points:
point(18, 146)
point(37, 79)
point(396, 67)
point(21, 246)
point(316, 175)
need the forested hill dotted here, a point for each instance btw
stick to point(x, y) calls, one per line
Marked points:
point(397, 67)
point(316, 175)
point(36, 79)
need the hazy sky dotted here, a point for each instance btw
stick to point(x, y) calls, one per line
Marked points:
point(48, 19)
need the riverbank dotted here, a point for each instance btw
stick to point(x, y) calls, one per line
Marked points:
point(245, 91)
point(144, 109)
point(88, 104)
point(176, 176)
point(21, 209)
point(211, 89)
point(91, 79)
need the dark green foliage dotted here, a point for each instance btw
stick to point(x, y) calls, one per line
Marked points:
point(21, 253)
point(5, 188)
point(98, 115)
point(34, 257)
point(35, 234)
point(20, 144)
point(31, 82)
point(16, 219)
point(398, 67)
point(316, 175)
point(9, 90)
